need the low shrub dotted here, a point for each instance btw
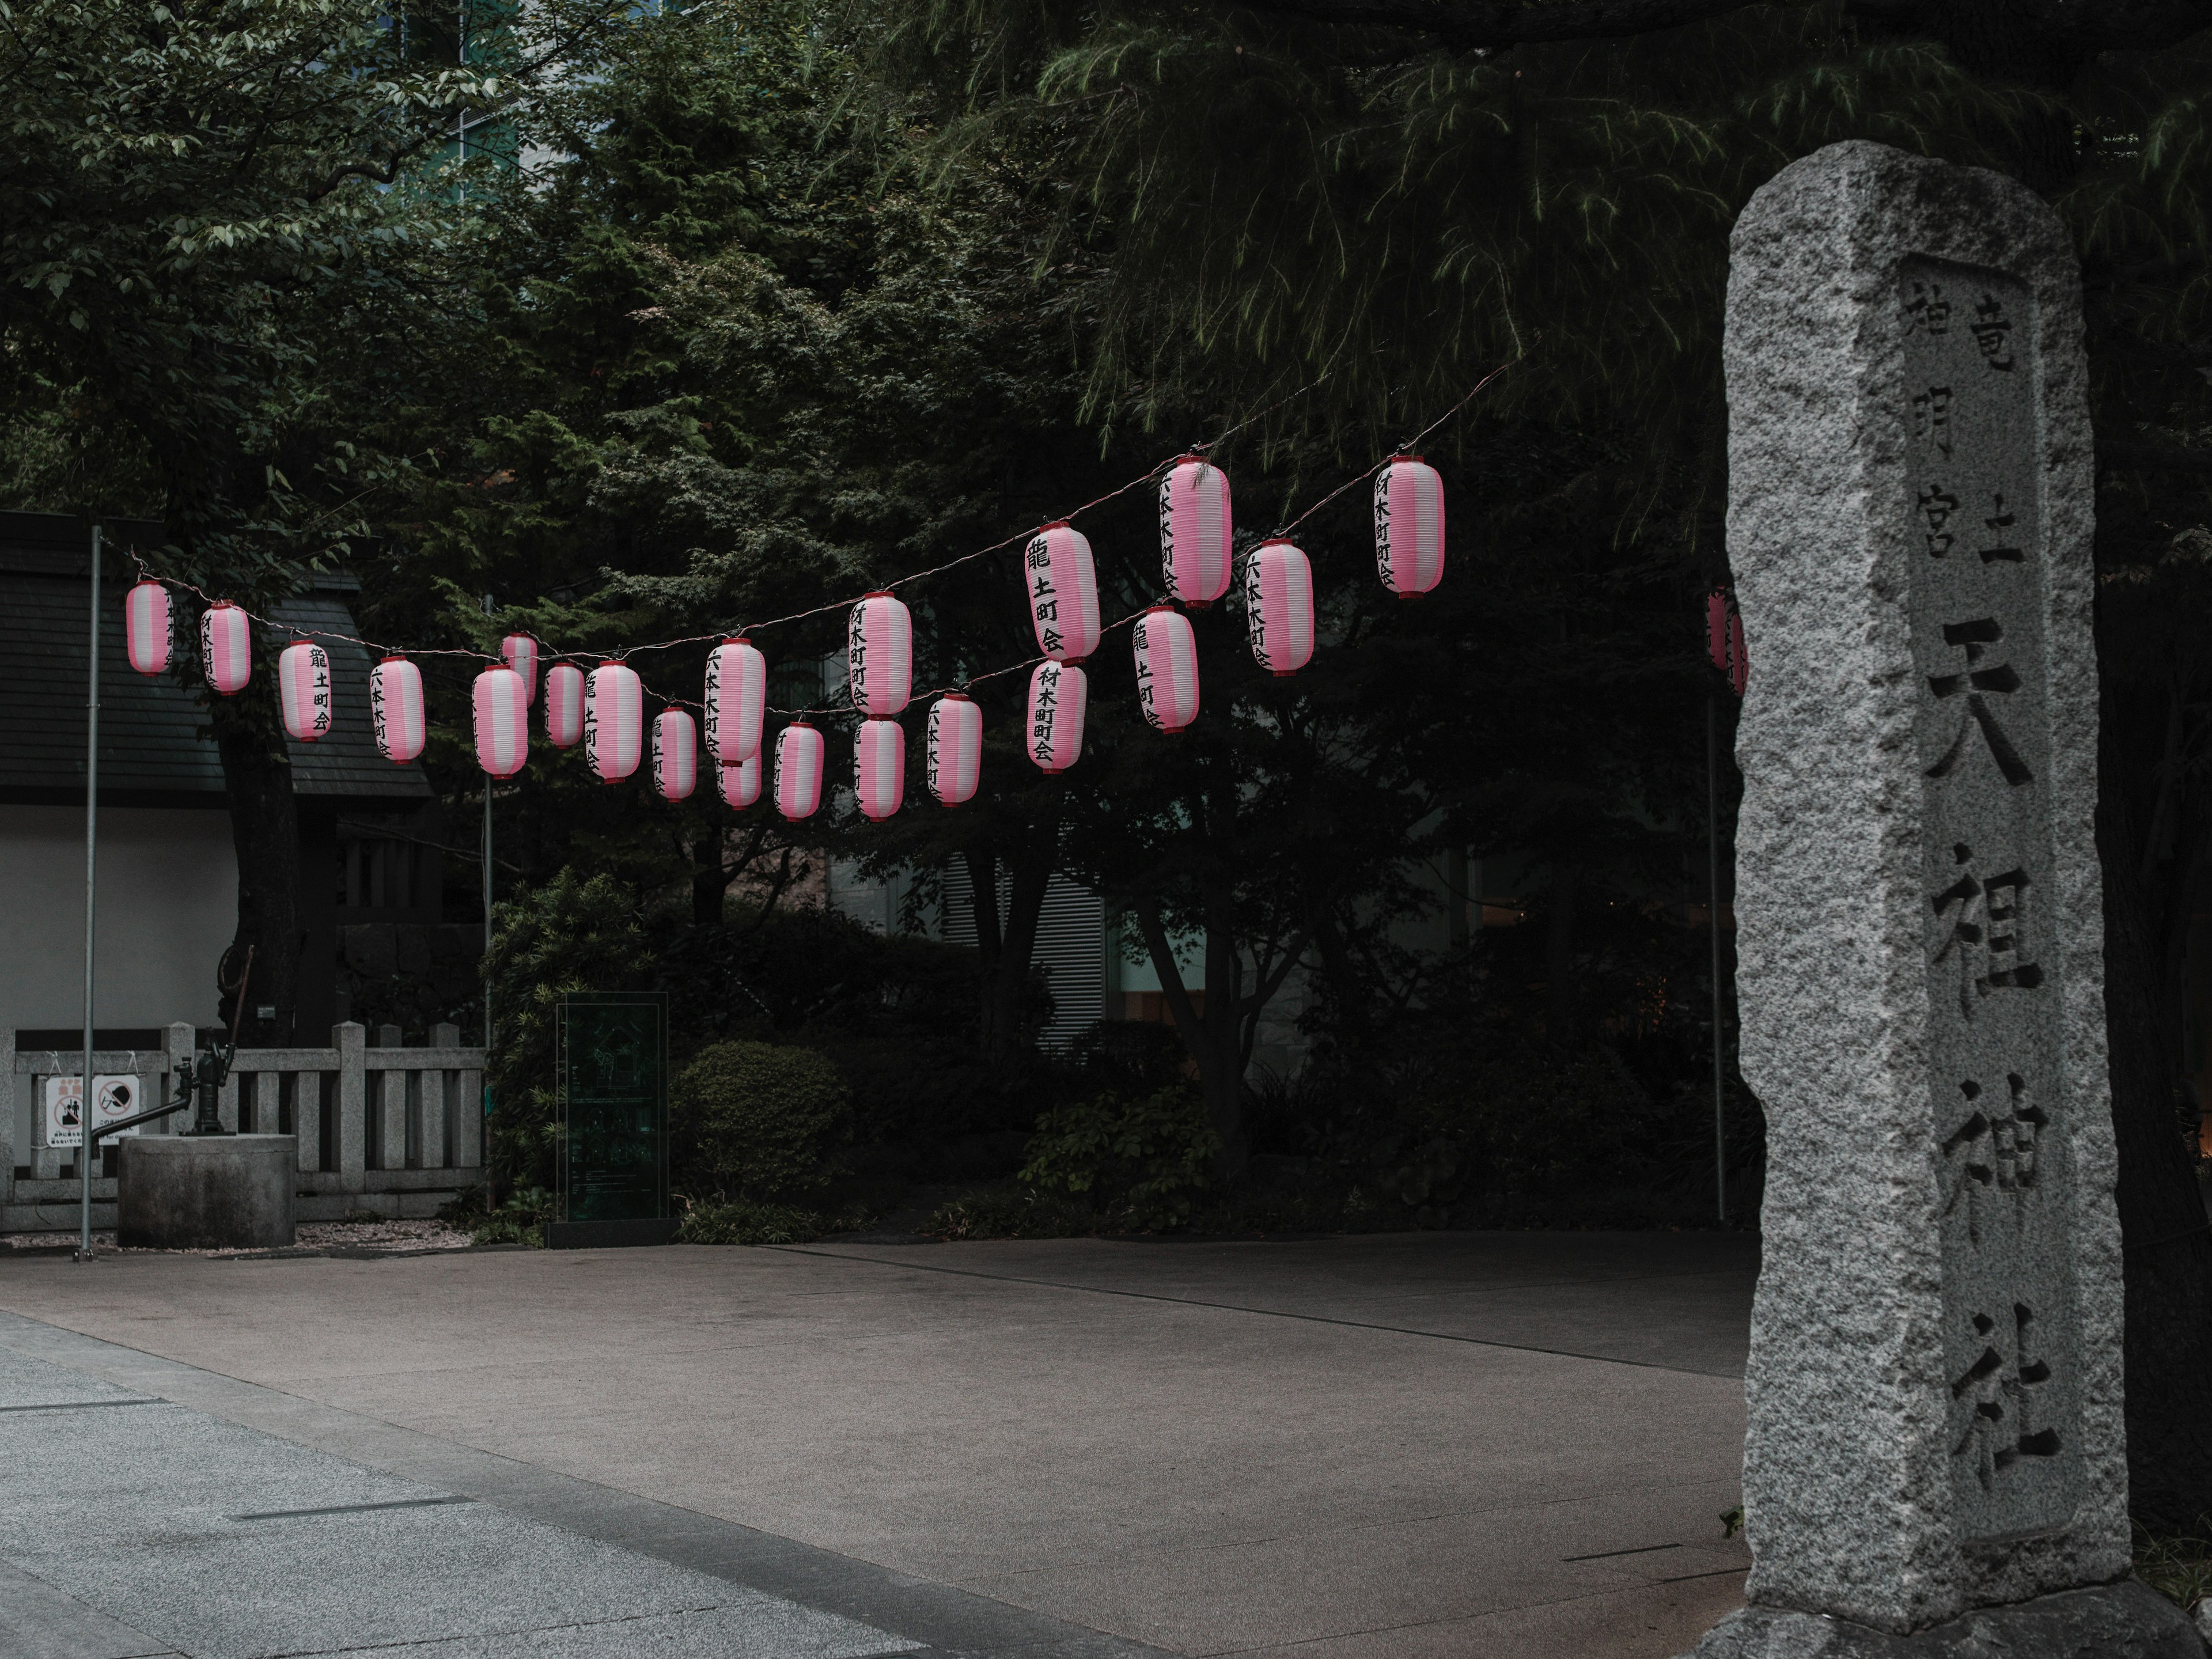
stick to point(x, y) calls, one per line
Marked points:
point(747, 1223)
point(1144, 1163)
point(762, 1121)
point(1013, 1213)
point(520, 1220)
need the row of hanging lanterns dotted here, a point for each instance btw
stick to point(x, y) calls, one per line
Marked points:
point(603, 709)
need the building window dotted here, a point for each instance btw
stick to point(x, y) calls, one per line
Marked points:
point(377, 875)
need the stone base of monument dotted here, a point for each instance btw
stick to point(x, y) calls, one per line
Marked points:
point(206, 1192)
point(2111, 1622)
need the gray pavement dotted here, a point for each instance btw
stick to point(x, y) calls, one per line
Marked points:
point(1437, 1444)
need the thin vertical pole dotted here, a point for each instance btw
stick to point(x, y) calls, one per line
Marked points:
point(1713, 921)
point(483, 1106)
point(91, 909)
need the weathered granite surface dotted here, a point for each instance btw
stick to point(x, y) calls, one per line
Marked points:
point(1935, 1386)
point(2116, 1621)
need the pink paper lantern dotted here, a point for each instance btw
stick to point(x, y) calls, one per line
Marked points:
point(1739, 658)
point(956, 747)
point(798, 771)
point(1409, 526)
point(1278, 607)
point(225, 647)
point(879, 768)
point(675, 755)
point(564, 705)
point(1196, 534)
point(614, 721)
point(395, 708)
point(145, 626)
point(1063, 593)
point(1716, 627)
point(1167, 668)
point(741, 784)
point(519, 653)
point(879, 655)
point(1058, 692)
point(502, 722)
point(737, 698)
point(303, 690)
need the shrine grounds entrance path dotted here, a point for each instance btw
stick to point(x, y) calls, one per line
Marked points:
point(1395, 1447)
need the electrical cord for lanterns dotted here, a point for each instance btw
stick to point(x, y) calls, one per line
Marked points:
point(621, 654)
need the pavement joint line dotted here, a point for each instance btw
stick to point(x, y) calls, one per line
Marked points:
point(903, 1651)
point(1607, 1555)
point(1264, 1312)
point(899, 1604)
point(351, 1509)
point(83, 1405)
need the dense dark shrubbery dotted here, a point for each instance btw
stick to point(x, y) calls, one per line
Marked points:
point(760, 1122)
point(1143, 1164)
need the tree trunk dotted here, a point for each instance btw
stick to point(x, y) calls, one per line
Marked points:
point(708, 882)
point(1213, 1039)
point(264, 831)
point(1558, 951)
point(2168, 1250)
point(1008, 952)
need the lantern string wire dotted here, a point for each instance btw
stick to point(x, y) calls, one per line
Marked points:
point(849, 707)
point(1405, 448)
point(1150, 475)
point(619, 654)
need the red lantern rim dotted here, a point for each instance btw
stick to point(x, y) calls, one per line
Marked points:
point(736, 639)
point(956, 696)
point(1405, 456)
point(879, 594)
point(394, 659)
point(1057, 524)
point(1197, 605)
point(1278, 541)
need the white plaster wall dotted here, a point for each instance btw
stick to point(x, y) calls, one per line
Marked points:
point(168, 905)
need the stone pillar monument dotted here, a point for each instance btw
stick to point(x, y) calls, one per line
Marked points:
point(1935, 1461)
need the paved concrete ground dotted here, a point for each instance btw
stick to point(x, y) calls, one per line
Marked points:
point(1487, 1444)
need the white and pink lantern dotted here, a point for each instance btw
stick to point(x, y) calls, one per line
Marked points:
point(741, 784)
point(145, 626)
point(502, 722)
point(1063, 593)
point(225, 647)
point(564, 705)
point(737, 698)
point(798, 771)
point(519, 653)
point(1278, 607)
point(1196, 533)
point(395, 709)
point(1167, 668)
point(1409, 526)
point(1058, 692)
point(956, 747)
point(614, 721)
point(303, 690)
point(879, 768)
point(879, 655)
point(675, 755)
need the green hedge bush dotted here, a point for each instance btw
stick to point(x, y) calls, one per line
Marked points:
point(763, 1121)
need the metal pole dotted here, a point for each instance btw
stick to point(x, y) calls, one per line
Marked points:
point(85, 1144)
point(1713, 921)
point(483, 1106)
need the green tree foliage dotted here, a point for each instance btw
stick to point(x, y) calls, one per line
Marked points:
point(219, 239)
point(572, 934)
point(1401, 192)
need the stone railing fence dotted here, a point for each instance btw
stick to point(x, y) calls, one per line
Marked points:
point(382, 1127)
